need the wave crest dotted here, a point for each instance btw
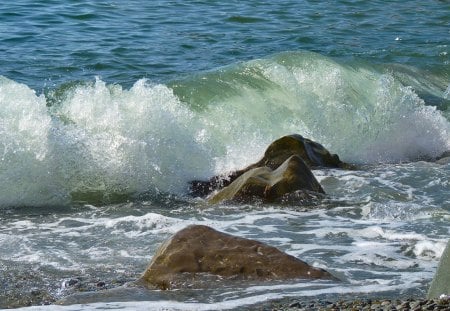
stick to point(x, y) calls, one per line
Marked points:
point(93, 141)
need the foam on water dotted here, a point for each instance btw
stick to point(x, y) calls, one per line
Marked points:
point(367, 253)
point(98, 143)
point(362, 112)
point(259, 295)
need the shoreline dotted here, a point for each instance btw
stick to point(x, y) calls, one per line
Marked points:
point(318, 303)
point(413, 304)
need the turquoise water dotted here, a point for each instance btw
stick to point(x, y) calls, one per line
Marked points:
point(109, 109)
point(48, 44)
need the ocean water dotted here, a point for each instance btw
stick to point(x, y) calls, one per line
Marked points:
point(109, 108)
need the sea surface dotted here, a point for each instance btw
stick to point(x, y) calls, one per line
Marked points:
point(109, 108)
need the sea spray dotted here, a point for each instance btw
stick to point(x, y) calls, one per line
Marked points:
point(101, 141)
point(98, 142)
point(25, 175)
point(141, 138)
point(447, 92)
point(362, 113)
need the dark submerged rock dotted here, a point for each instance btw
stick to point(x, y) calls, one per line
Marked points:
point(312, 153)
point(268, 184)
point(198, 251)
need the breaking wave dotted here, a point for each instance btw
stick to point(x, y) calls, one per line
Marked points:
point(92, 141)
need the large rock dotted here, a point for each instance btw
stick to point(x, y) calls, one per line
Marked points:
point(441, 281)
point(200, 251)
point(312, 153)
point(263, 182)
point(444, 158)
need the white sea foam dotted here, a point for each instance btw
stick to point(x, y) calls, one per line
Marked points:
point(100, 140)
point(271, 293)
point(364, 115)
point(367, 254)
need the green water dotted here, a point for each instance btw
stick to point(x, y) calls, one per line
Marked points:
point(108, 109)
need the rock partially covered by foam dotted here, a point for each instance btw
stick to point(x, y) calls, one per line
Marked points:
point(312, 153)
point(200, 251)
point(292, 176)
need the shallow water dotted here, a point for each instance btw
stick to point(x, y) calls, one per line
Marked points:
point(374, 232)
point(108, 110)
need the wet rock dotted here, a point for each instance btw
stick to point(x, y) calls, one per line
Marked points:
point(23, 287)
point(291, 176)
point(312, 153)
point(441, 281)
point(199, 251)
point(446, 154)
point(444, 158)
point(366, 304)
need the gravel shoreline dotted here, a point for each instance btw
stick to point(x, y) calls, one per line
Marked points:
point(410, 304)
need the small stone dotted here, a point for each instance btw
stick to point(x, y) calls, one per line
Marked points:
point(386, 303)
point(35, 292)
point(331, 306)
point(375, 306)
point(431, 306)
point(101, 284)
point(72, 282)
point(295, 305)
point(414, 304)
point(404, 305)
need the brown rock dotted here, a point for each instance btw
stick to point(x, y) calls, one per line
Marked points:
point(268, 184)
point(198, 251)
point(312, 153)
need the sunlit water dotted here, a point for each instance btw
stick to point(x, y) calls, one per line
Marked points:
point(108, 110)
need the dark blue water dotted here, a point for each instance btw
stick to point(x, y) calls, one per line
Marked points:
point(47, 44)
point(109, 108)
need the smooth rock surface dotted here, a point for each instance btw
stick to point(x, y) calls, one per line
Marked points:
point(441, 281)
point(268, 184)
point(199, 251)
point(312, 153)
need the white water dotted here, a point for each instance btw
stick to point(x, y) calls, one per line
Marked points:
point(380, 229)
point(104, 140)
point(370, 255)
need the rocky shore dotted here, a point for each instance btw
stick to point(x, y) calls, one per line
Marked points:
point(410, 304)
point(297, 304)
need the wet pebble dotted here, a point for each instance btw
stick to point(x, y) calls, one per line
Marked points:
point(384, 305)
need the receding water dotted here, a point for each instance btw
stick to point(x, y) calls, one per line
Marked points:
point(108, 110)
